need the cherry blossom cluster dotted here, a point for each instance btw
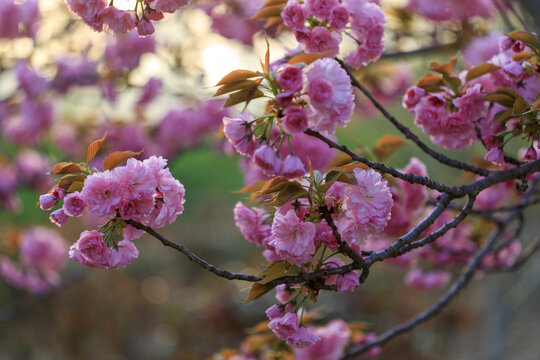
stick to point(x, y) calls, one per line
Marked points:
point(319, 342)
point(232, 19)
point(318, 97)
point(42, 257)
point(100, 16)
point(143, 191)
point(454, 117)
point(320, 26)
point(296, 232)
point(295, 235)
point(443, 10)
point(19, 18)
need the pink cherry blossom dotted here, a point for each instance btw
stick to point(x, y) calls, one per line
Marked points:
point(145, 27)
point(90, 250)
point(119, 20)
point(295, 120)
point(367, 207)
point(293, 238)
point(330, 94)
point(43, 248)
point(73, 204)
point(236, 131)
point(294, 15)
point(339, 17)
point(291, 78)
point(334, 337)
point(91, 11)
point(47, 201)
point(427, 281)
point(58, 217)
point(102, 193)
point(292, 167)
point(126, 253)
point(322, 40)
point(266, 158)
point(250, 223)
point(168, 6)
point(321, 8)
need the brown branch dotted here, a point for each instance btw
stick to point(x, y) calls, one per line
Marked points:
point(423, 50)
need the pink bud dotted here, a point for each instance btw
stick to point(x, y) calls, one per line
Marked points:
point(518, 46)
point(58, 217)
point(496, 155)
point(47, 201)
point(293, 167)
point(265, 157)
point(530, 154)
point(58, 193)
point(285, 98)
point(274, 312)
point(145, 27)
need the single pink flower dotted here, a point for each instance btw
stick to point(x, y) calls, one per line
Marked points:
point(145, 27)
point(291, 78)
point(102, 193)
point(294, 15)
point(73, 204)
point(293, 238)
point(90, 250)
point(295, 120)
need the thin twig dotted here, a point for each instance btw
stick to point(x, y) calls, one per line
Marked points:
point(219, 272)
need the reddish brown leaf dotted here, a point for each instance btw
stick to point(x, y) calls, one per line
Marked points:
point(64, 168)
point(244, 95)
point(307, 58)
point(225, 89)
point(116, 158)
point(237, 75)
point(480, 70)
point(269, 12)
point(387, 145)
point(93, 148)
point(430, 80)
